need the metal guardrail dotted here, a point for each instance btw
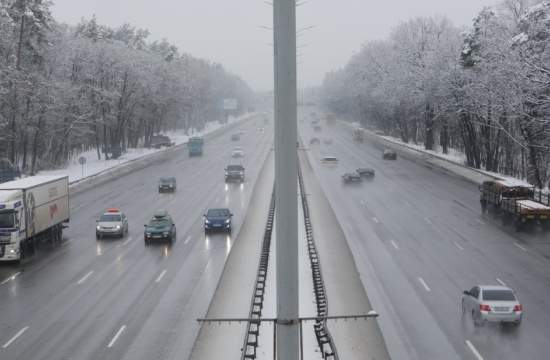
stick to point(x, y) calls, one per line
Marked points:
point(322, 334)
point(256, 306)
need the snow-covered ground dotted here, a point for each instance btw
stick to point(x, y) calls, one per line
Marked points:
point(93, 166)
point(454, 156)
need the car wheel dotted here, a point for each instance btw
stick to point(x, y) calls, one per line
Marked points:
point(146, 242)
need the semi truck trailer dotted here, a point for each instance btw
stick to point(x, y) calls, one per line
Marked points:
point(32, 210)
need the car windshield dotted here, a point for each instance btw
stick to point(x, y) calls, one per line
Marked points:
point(167, 180)
point(110, 218)
point(234, 168)
point(158, 222)
point(7, 219)
point(498, 295)
point(217, 213)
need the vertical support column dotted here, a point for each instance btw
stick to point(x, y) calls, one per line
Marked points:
point(286, 179)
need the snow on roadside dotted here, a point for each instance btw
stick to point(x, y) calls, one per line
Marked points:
point(94, 166)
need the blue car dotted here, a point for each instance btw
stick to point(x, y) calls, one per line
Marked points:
point(217, 219)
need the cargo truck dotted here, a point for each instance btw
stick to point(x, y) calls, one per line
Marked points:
point(32, 210)
point(195, 146)
point(517, 203)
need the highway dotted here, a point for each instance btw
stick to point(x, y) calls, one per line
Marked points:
point(419, 239)
point(117, 298)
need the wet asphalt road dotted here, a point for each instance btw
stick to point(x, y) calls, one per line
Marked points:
point(117, 298)
point(419, 239)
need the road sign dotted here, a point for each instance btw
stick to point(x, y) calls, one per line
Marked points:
point(82, 160)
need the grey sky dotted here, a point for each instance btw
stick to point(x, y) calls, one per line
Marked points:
point(228, 31)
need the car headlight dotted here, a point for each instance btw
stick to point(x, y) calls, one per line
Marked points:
point(12, 251)
point(171, 185)
point(148, 234)
point(206, 221)
point(165, 233)
point(98, 227)
point(227, 221)
point(118, 227)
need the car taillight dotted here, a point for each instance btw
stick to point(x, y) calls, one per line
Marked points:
point(518, 307)
point(484, 307)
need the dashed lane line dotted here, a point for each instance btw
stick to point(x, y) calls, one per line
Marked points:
point(520, 247)
point(159, 278)
point(15, 337)
point(187, 240)
point(501, 282)
point(424, 284)
point(474, 350)
point(115, 338)
point(375, 220)
point(10, 278)
point(394, 244)
point(84, 278)
point(458, 246)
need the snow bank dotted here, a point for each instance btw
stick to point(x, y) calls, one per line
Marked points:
point(93, 166)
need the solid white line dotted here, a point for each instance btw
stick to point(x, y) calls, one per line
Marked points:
point(10, 278)
point(394, 245)
point(187, 240)
point(521, 247)
point(375, 220)
point(458, 246)
point(15, 337)
point(115, 338)
point(474, 350)
point(85, 277)
point(501, 282)
point(160, 276)
point(424, 284)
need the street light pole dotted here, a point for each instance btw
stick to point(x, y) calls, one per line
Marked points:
point(286, 179)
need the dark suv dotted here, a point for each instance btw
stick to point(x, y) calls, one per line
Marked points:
point(217, 219)
point(161, 227)
point(167, 184)
point(234, 173)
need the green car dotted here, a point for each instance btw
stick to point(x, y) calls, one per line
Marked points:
point(161, 227)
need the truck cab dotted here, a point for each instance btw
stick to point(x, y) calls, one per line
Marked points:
point(12, 223)
point(195, 145)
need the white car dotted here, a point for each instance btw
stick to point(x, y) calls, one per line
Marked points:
point(237, 153)
point(112, 223)
point(492, 303)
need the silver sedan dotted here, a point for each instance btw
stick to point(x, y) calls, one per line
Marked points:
point(492, 303)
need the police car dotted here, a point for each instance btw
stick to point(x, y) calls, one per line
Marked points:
point(112, 223)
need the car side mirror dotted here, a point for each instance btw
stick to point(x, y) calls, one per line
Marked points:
point(466, 292)
point(97, 221)
point(230, 214)
point(144, 225)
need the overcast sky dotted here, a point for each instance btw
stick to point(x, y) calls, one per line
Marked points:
point(229, 31)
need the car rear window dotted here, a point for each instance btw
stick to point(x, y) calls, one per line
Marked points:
point(218, 212)
point(498, 295)
point(110, 218)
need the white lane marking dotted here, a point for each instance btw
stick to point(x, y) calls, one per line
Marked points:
point(458, 246)
point(115, 338)
point(10, 278)
point(480, 222)
point(428, 221)
point(394, 245)
point(520, 247)
point(187, 239)
point(375, 220)
point(85, 277)
point(474, 350)
point(10, 341)
point(424, 284)
point(160, 276)
point(126, 241)
point(501, 282)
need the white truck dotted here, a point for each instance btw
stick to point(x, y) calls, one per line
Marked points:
point(32, 210)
